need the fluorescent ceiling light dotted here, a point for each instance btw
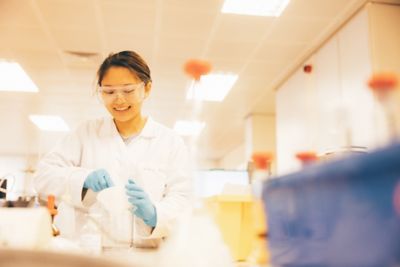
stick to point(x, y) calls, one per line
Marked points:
point(189, 128)
point(269, 8)
point(49, 123)
point(14, 78)
point(212, 87)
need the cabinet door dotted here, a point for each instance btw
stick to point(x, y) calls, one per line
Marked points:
point(355, 69)
point(330, 111)
point(294, 122)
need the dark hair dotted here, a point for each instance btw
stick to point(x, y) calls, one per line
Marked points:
point(127, 59)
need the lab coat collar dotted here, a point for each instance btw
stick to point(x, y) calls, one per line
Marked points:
point(149, 130)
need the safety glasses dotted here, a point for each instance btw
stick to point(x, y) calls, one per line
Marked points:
point(129, 92)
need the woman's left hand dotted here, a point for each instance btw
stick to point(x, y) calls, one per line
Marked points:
point(144, 207)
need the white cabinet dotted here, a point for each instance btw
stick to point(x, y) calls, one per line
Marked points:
point(332, 107)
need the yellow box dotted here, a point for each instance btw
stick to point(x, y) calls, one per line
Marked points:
point(234, 216)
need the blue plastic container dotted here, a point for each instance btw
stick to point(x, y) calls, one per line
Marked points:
point(342, 213)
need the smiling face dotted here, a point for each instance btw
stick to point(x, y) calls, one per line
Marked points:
point(123, 93)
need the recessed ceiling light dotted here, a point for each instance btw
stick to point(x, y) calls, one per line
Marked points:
point(268, 8)
point(14, 78)
point(188, 128)
point(212, 87)
point(49, 123)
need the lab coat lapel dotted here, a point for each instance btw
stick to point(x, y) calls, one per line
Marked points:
point(117, 152)
point(138, 152)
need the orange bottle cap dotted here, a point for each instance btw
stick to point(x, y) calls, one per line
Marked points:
point(51, 205)
point(383, 81)
point(262, 160)
point(307, 156)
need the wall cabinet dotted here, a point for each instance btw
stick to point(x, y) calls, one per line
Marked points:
point(332, 107)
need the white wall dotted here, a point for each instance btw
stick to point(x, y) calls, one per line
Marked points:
point(385, 37)
point(260, 136)
point(234, 160)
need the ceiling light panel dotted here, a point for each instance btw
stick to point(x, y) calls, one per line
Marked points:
point(267, 8)
point(13, 78)
point(212, 87)
point(49, 123)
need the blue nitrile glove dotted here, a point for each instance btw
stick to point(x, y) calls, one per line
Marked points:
point(98, 180)
point(144, 208)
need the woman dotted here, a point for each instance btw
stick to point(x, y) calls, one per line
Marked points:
point(103, 152)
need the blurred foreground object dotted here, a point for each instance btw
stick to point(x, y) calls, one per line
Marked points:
point(25, 258)
point(341, 213)
point(195, 242)
point(28, 228)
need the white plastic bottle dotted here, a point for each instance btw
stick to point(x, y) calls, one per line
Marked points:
point(386, 91)
point(90, 237)
point(259, 255)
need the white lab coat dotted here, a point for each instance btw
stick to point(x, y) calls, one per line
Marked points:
point(157, 151)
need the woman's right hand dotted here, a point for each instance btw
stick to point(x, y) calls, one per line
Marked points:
point(98, 180)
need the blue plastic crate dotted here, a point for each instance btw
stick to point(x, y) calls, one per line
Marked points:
point(342, 213)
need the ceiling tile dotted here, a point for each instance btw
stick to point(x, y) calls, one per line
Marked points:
point(14, 14)
point(169, 65)
point(47, 77)
point(263, 69)
point(190, 23)
point(221, 65)
point(19, 38)
point(204, 6)
point(140, 43)
point(77, 40)
point(38, 58)
point(296, 31)
point(314, 9)
point(148, 4)
point(128, 18)
point(68, 14)
point(223, 50)
point(6, 53)
point(169, 45)
point(84, 77)
point(279, 53)
point(237, 28)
